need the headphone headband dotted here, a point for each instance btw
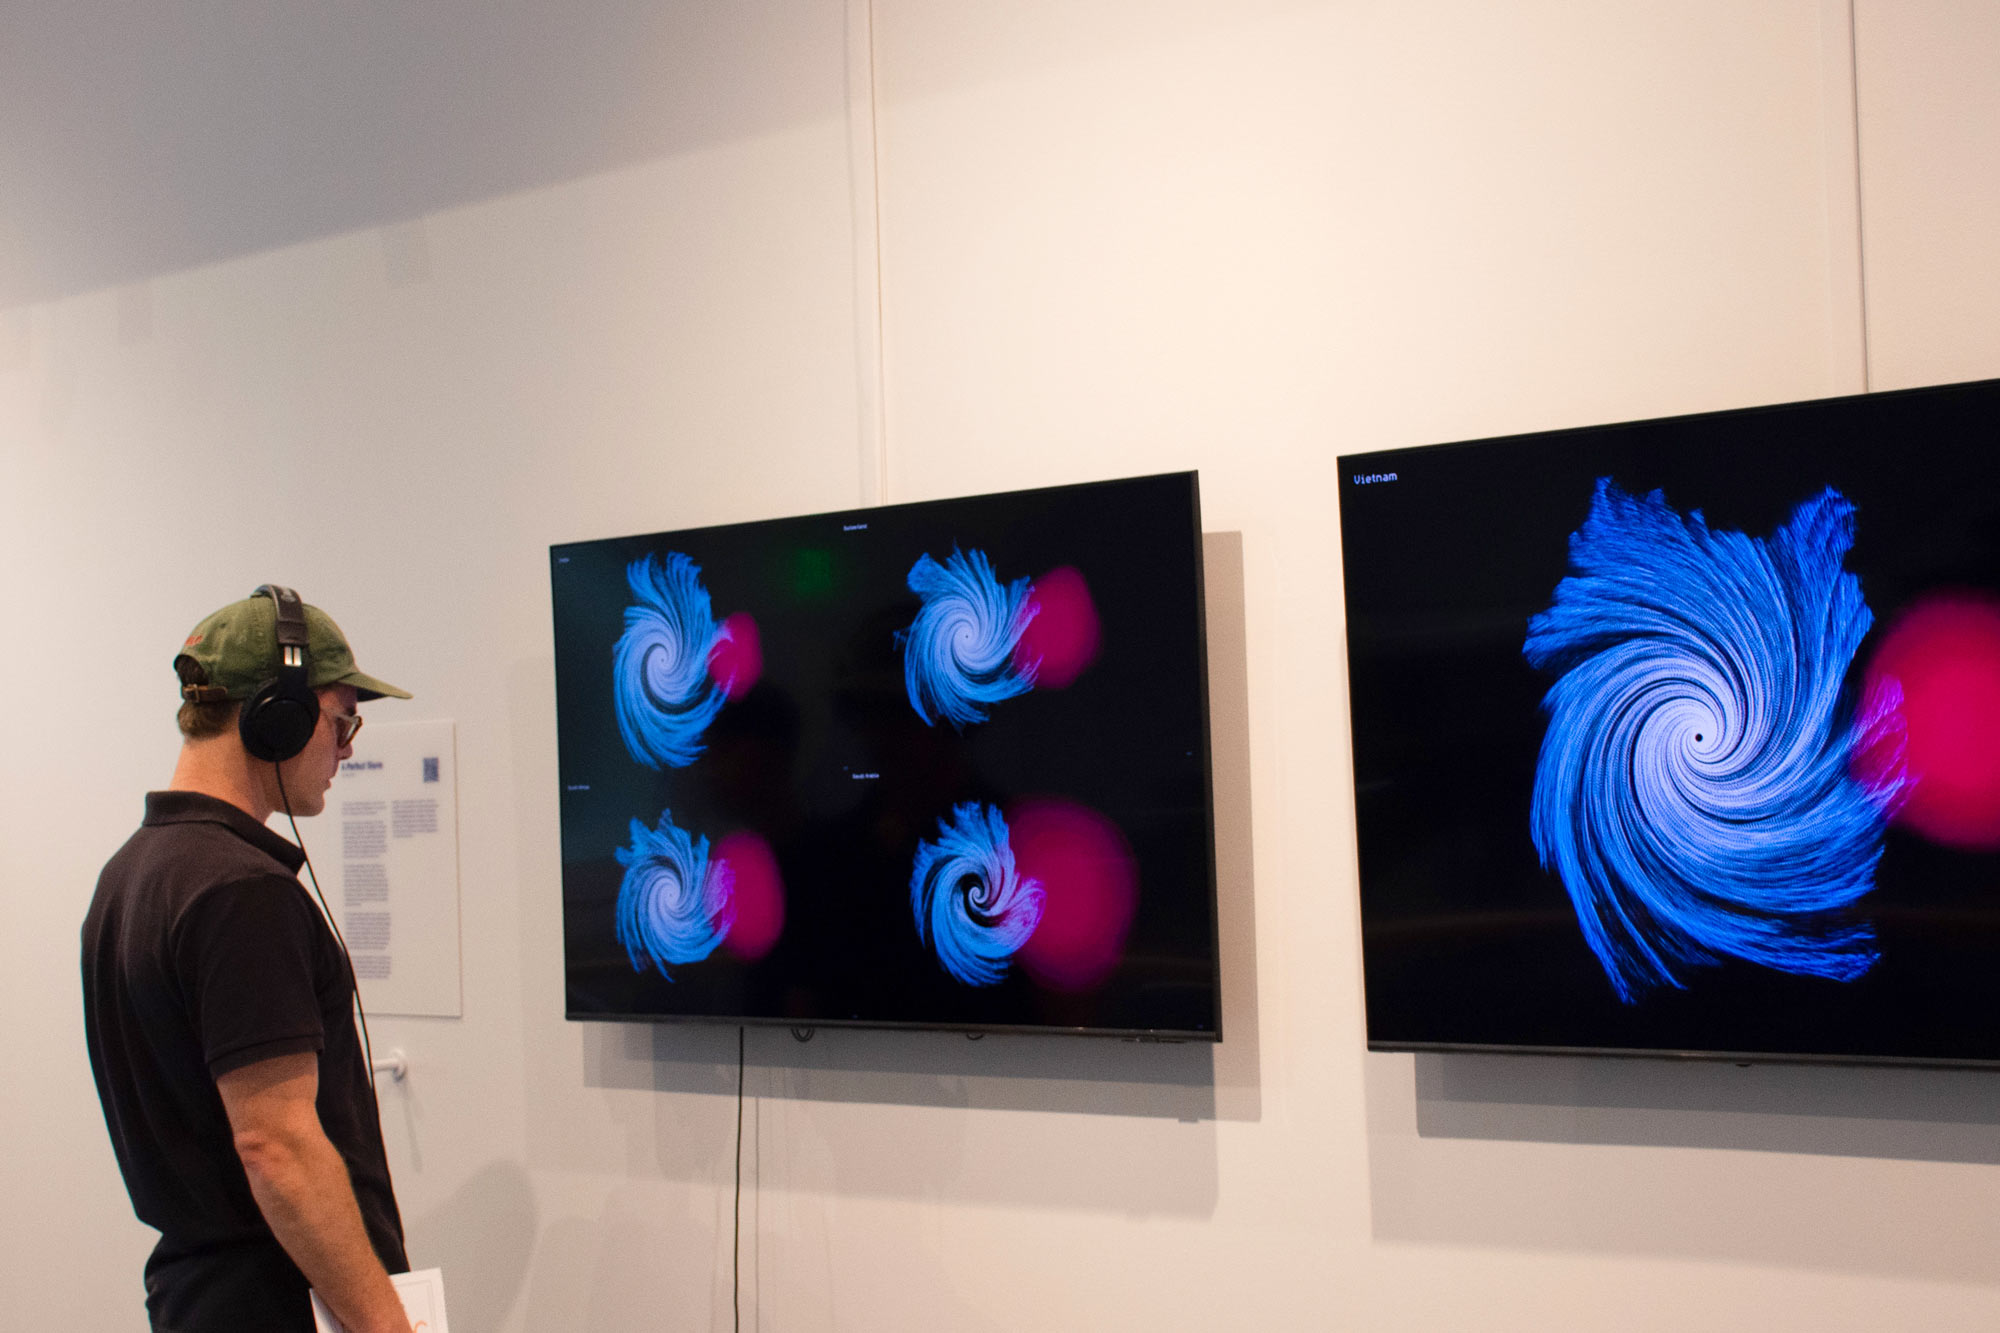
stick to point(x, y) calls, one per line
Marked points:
point(281, 716)
point(291, 627)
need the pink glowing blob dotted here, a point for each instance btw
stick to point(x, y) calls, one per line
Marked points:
point(1943, 737)
point(758, 896)
point(737, 659)
point(1091, 883)
point(1062, 638)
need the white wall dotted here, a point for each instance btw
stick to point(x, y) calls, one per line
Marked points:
point(1930, 135)
point(982, 246)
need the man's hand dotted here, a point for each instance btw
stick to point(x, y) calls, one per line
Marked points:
point(301, 1186)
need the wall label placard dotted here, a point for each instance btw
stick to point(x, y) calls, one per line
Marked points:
point(395, 883)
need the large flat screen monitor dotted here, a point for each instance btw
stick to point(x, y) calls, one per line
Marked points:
point(923, 765)
point(1683, 736)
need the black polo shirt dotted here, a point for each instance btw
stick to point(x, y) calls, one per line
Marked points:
point(202, 953)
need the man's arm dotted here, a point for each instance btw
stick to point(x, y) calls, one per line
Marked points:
point(301, 1186)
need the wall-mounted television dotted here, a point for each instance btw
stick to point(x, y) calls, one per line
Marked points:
point(1683, 736)
point(935, 765)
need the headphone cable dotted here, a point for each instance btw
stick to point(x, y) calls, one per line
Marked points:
point(353, 978)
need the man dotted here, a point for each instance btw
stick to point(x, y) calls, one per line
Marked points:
point(218, 1006)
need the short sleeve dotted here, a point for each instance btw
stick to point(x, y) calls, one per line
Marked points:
point(244, 955)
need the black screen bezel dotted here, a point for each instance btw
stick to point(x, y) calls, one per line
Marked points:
point(1884, 428)
point(1195, 606)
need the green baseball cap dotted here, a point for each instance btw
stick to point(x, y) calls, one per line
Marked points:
point(236, 650)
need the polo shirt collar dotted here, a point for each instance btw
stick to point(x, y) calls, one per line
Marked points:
point(193, 807)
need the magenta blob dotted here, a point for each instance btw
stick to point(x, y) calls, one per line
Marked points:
point(759, 896)
point(1062, 638)
point(737, 658)
point(1942, 736)
point(1090, 882)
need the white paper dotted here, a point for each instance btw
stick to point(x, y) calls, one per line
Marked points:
point(394, 853)
point(423, 1302)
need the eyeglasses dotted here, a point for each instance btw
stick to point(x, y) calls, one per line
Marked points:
point(346, 726)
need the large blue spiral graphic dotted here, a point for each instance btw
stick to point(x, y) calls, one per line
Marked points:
point(675, 904)
point(1693, 791)
point(958, 653)
point(972, 906)
point(660, 680)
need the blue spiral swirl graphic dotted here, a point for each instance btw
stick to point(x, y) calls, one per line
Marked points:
point(958, 653)
point(1693, 790)
point(660, 682)
point(674, 905)
point(972, 907)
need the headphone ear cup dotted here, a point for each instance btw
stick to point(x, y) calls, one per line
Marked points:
point(276, 723)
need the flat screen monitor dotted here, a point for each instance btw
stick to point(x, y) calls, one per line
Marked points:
point(1683, 736)
point(921, 765)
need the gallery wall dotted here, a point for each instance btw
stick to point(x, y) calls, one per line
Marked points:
point(707, 266)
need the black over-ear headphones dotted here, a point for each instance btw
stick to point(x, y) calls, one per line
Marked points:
point(278, 720)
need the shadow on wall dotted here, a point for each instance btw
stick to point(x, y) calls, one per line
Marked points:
point(644, 1262)
point(1238, 1066)
point(1004, 1071)
point(1839, 1170)
point(485, 1229)
point(1926, 1115)
point(262, 126)
point(856, 1112)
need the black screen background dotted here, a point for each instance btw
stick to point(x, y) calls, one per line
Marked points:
point(1128, 738)
point(1466, 940)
